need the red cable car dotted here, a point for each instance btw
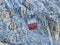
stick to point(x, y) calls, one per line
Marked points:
point(32, 24)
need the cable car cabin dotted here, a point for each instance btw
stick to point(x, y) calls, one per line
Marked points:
point(32, 24)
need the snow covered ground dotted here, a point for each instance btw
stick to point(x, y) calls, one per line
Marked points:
point(13, 22)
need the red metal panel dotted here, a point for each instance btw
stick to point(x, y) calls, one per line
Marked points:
point(32, 26)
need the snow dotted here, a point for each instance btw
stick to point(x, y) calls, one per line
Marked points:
point(46, 12)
